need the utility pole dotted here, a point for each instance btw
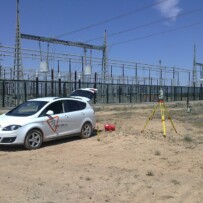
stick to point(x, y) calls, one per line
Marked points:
point(161, 76)
point(150, 77)
point(194, 72)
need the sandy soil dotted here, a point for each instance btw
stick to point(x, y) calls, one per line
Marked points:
point(122, 166)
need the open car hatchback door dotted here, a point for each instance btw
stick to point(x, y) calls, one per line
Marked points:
point(84, 93)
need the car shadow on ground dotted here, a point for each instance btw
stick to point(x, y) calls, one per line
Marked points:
point(60, 141)
point(65, 140)
point(13, 148)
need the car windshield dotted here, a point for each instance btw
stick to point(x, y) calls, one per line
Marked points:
point(27, 108)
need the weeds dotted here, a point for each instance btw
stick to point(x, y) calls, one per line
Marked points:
point(150, 173)
point(88, 179)
point(175, 182)
point(157, 153)
point(188, 138)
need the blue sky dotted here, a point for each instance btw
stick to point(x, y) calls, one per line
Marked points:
point(164, 31)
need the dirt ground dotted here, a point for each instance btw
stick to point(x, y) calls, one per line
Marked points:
point(122, 166)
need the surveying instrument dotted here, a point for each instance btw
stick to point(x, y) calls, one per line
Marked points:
point(163, 110)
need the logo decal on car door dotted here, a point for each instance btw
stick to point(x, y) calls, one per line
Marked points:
point(53, 123)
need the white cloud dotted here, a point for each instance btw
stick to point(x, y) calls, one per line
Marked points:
point(169, 8)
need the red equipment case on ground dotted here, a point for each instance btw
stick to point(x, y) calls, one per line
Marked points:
point(109, 127)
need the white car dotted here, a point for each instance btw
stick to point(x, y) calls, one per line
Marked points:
point(38, 120)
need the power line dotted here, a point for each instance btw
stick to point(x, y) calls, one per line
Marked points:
point(158, 33)
point(147, 24)
point(35, 54)
point(112, 19)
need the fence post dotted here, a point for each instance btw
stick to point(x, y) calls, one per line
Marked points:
point(107, 94)
point(174, 93)
point(25, 91)
point(130, 93)
point(3, 94)
point(37, 86)
point(75, 80)
point(140, 92)
point(119, 94)
point(188, 94)
point(167, 93)
point(200, 92)
point(150, 94)
point(95, 86)
point(52, 82)
point(45, 87)
point(59, 83)
point(193, 91)
point(64, 89)
point(79, 82)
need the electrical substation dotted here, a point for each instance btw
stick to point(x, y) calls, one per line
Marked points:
point(57, 74)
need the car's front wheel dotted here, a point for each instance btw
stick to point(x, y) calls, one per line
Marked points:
point(86, 130)
point(33, 139)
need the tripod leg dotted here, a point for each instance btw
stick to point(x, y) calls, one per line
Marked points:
point(169, 117)
point(150, 118)
point(163, 118)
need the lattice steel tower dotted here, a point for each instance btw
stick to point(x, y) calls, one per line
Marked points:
point(104, 63)
point(18, 70)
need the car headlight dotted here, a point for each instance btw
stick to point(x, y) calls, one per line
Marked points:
point(11, 127)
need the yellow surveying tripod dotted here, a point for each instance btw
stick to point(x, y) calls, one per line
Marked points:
point(163, 109)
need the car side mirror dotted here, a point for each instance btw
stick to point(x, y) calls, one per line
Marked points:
point(49, 113)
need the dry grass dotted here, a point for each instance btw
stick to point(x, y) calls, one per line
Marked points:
point(122, 166)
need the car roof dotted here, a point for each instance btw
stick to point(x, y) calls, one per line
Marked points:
point(48, 99)
point(82, 94)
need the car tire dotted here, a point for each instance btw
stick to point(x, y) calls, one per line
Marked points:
point(33, 139)
point(86, 130)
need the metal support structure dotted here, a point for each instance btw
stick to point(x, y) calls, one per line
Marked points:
point(18, 71)
point(194, 72)
point(85, 46)
point(104, 63)
point(59, 41)
point(194, 75)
